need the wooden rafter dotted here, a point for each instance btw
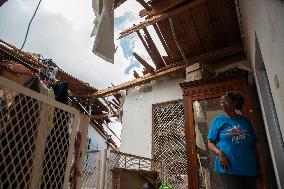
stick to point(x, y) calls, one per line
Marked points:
point(117, 3)
point(136, 74)
point(147, 66)
point(161, 6)
point(207, 58)
point(158, 61)
point(141, 80)
point(162, 39)
point(116, 102)
point(161, 17)
point(144, 4)
point(101, 116)
point(151, 49)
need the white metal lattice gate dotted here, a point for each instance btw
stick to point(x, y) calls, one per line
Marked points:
point(37, 137)
point(169, 144)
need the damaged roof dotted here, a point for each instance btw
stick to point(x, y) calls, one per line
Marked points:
point(190, 31)
point(20, 66)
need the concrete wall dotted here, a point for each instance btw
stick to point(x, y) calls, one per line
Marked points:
point(137, 114)
point(265, 19)
point(98, 142)
point(263, 24)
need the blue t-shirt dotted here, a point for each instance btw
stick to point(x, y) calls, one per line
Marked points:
point(235, 138)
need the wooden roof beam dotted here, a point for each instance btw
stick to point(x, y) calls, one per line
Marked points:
point(147, 66)
point(135, 74)
point(162, 39)
point(101, 116)
point(144, 4)
point(117, 3)
point(207, 58)
point(151, 49)
point(161, 17)
point(159, 62)
point(159, 7)
point(141, 80)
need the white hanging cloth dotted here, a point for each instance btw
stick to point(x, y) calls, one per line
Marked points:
point(104, 29)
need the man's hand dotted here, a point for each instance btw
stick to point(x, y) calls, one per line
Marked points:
point(223, 160)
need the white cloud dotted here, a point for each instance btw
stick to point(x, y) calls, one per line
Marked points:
point(61, 31)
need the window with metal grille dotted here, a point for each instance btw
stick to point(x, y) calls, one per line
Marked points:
point(169, 142)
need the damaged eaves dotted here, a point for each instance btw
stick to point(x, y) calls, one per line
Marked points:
point(20, 66)
point(207, 58)
point(190, 31)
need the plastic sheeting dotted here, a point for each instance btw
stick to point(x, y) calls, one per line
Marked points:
point(104, 29)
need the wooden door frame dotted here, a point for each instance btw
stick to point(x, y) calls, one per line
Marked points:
point(203, 90)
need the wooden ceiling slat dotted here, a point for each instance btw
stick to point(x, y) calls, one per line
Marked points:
point(99, 104)
point(167, 33)
point(147, 47)
point(216, 23)
point(162, 39)
point(147, 66)
point(155, 54)
point(135, 74)
point(181, 36)
point(161, 6)
point(231, 21)
point(162, 16)
point(192, 35)
point(201, 23)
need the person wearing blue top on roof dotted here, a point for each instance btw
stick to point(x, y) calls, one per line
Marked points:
point(231, 137)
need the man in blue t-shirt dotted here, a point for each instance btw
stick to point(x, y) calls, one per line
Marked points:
point(231, 137)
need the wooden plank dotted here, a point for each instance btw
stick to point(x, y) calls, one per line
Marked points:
point(162, 39)
point(158, 61)
point(182, 40)
point(202, 26)
point(148, 67)
point(101, 116)
point(144, 4)
point(135, 74)
point(192, 34)
point(207, 58)
point(166, 32)
point(144, 79)
point(146, 45)
point(150, 48)
point(117, 3)
point(230, 20)
point(161, 17)
point(216, 24)
point(161, 6)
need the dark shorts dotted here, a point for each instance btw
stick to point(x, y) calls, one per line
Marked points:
point(238, 181)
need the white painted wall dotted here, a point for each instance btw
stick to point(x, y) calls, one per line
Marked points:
point(265, 19)
point(98, 141)
point(137, 114)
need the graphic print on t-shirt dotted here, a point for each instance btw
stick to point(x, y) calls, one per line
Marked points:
point(237, 133)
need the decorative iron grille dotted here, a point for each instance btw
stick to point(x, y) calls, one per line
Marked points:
point(169, 144)
point(36, 139)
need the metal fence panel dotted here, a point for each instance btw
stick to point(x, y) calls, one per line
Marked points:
point(36, 139)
